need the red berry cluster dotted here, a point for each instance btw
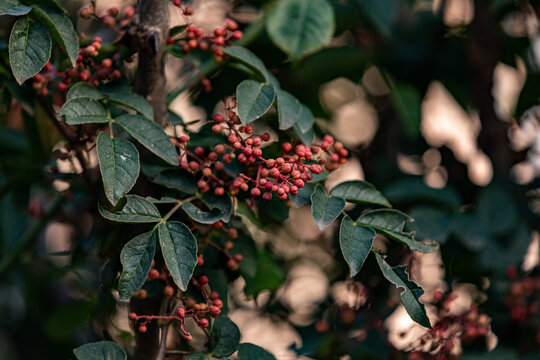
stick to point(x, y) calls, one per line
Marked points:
point(283, 175)
point(87, 69)
point(201, 312)
point(195, 38)
point(522, 299)
point(439, 342)
point(109, 17)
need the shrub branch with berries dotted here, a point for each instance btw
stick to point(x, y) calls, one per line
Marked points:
point(184, 193)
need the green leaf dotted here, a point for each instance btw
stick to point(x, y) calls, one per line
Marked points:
point(325, 209)
point(410, 296)
point(196, 356)
point(355, 242)
point(179, 249)
point(136, 258)
point(305, 120)
point(150, 135)
point(248, 351)
point(177, 179)
point(29, 48)
point(13, 7)
point(303, 197)
point(254, 99)
point(499, 219)
point(136, 210)
point(305, 137)
point(83, 111)
point(246, 57)
point(430, 223)
point(224, 338)
point(203, 217)
point(359, 192)
point(289, 109)
point(174, 118)
point(299, 27)
point(269, 275)
point(103, 350)
point(60, 28)
point(414, 190)
point(132, 101)
point(408, 103)
point(83, 90)
point(223, 203)
point(390, 223)
point(119, 164)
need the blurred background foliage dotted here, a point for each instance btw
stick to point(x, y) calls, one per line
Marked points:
point(437, 101)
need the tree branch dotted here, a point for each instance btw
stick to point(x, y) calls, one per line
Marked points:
point(149, 40)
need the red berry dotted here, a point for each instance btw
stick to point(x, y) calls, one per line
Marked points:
point(177, 2)
point(233, 265)
point(255, 192)
point(132, 316)
point(181, 312)
point(168, 291)
point(142, 329)
point(188, 11)
point(203, 323)
point(203, 280)
point(214, 295)
point(188, 337)
point(153, 274)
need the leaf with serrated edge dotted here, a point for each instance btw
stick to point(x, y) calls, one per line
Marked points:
point(248, 351)
point(355, 242)
point(29, 48)
point(254, 99)
point(360, 192)
point(136, 210)
point(132, 101)
point(61, 29)
point(83, 111)
point(301, 26)
point(390, 223)
point(83, 90)
point(119, 164)
point(224, 337)
point(179, 249)
point(136, 258)
point(325, 209)
point(149, 134)
point(102, 350)
point(410, 296)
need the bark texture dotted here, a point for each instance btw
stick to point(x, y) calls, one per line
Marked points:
point(149, 40)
